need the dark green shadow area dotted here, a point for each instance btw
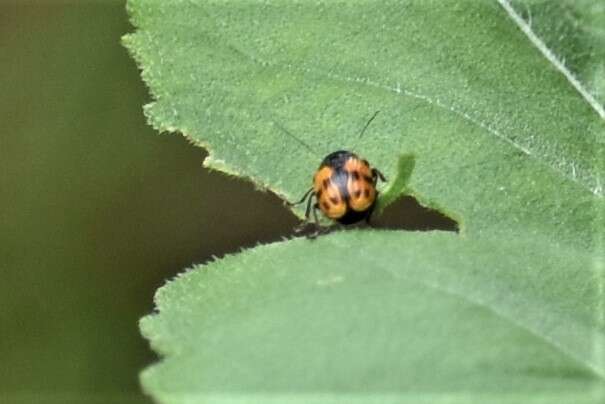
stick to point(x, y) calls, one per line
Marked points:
point(96, 209)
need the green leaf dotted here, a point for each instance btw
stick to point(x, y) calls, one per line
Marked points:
point(476, 121)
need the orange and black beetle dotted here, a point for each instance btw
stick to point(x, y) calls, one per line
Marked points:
point(344, 188)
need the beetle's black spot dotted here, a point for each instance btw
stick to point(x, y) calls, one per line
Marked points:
point(357, 193)
point(325, 183)
point(355, 175)
point(368, 179)
point(366, 193)
point(318, 193)
point(334, 200)
point(326, 205)
point(365, 163)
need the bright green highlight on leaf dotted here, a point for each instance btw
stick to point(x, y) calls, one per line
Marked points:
point(398, 185)
point(476, 120)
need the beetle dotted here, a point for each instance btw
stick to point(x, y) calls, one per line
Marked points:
point(344, 188)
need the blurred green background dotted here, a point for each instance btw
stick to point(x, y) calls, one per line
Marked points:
point(97, 209)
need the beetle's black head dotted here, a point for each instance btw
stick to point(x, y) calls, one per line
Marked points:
point(337, 159)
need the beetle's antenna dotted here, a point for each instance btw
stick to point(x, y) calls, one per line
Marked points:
point(367, 124)
point(287, 132)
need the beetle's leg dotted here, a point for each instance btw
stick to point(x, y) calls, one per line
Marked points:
point(308, 210)
point(317, 231)
point(315, 207)
point(376, 174)
point(301, 199)
point(301, 227)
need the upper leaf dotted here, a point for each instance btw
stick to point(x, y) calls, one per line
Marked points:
point(493, 124)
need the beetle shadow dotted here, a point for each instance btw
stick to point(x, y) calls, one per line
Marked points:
point(407, 214)
point(404, 214)
point(397, 210)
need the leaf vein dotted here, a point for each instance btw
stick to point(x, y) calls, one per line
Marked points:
point(551, 57)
